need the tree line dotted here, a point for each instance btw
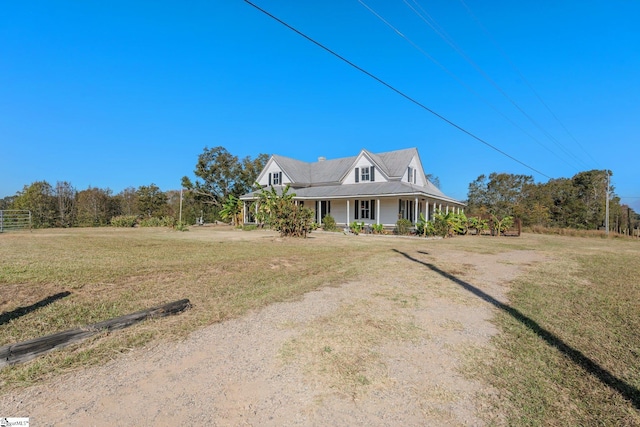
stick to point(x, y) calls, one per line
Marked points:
point(221, 177)
point(218, 175)
point(578, 202)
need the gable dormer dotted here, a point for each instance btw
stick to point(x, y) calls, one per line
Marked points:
point(414, 173)
point(364, 170)
point(272, 174)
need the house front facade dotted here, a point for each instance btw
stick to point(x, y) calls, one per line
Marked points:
point(371, 188)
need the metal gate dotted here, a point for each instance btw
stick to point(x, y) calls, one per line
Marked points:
point(14, 220)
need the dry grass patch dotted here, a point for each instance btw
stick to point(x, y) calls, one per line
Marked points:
point(569, 351)
point(112, 272)
point(339, 350)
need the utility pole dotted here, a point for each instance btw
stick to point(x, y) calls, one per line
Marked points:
point(180, 217)
point(606, 217)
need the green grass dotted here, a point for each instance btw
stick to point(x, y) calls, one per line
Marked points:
point(573, 356)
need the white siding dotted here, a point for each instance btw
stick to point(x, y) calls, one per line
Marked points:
point(362, 161)
point(339, 211)
point(418, 171)
point(388, 211)
point(272, 168)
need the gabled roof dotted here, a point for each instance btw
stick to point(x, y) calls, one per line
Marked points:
point(393, 164)
point(323, 179)
point(370, 189)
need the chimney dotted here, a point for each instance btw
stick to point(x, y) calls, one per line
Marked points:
point(322, 159)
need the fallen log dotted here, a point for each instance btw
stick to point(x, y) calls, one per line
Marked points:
point(28, 350)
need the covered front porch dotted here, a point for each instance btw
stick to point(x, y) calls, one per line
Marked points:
point(370, 210)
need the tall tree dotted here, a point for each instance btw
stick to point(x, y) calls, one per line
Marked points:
point(500, 194)
point(66, 199)
point(128, 201)
point(222, 174)
point(40, 200)
point(152, 202)
point(95, 207)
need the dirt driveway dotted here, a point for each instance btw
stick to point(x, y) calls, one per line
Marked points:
point(377, 352)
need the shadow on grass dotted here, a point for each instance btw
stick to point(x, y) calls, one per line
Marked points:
point(628, 391)
point(21, 311)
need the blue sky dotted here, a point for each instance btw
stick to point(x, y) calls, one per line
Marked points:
point(119, 94)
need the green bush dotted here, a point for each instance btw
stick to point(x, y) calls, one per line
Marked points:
point(281, 213)
point(181, 226)
point(425, 228)
point(329, 223)
point(377, 228)
point(403, 227)
point(356, 227)
point(124, 221)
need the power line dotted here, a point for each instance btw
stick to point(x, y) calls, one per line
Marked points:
point(456, 78)
point(433, 24)
point(517, 70)
point(362, 70)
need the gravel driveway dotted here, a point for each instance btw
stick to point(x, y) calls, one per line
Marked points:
point(292, 363)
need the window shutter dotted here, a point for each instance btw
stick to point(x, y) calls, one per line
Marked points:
point(373, 173)
point(280, 178)
point(373, 209)
point(357, 174)
point(269, 179)
point(414, 177)
point(357, 207)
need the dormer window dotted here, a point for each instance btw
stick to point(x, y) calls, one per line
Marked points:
point(275, 178)
point(365, 174)
point(411, 175)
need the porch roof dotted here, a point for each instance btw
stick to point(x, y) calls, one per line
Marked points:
point(372, 189)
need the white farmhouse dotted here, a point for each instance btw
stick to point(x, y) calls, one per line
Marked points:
point(371, 188)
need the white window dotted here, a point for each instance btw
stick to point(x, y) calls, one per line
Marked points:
point(364, 174)
point(275, 178)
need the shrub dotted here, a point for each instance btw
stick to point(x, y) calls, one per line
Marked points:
point(329, 223)
point(356, 227)
point(124, 221)
point(377, 228)
point(181, 226)
point(425, 228)
point(282, 213)
point(403, 227)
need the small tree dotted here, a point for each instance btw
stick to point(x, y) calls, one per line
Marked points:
point(232, 210)
point(500, 225)
point(282, 214)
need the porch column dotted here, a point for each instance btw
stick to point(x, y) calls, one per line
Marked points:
point(347, 213)
point(415, 211)
point(244, 212)
point(447, 208)
point(426, 210)
point(434, 210)
point(318, 219)
point(378, 211)
point(440, 208)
